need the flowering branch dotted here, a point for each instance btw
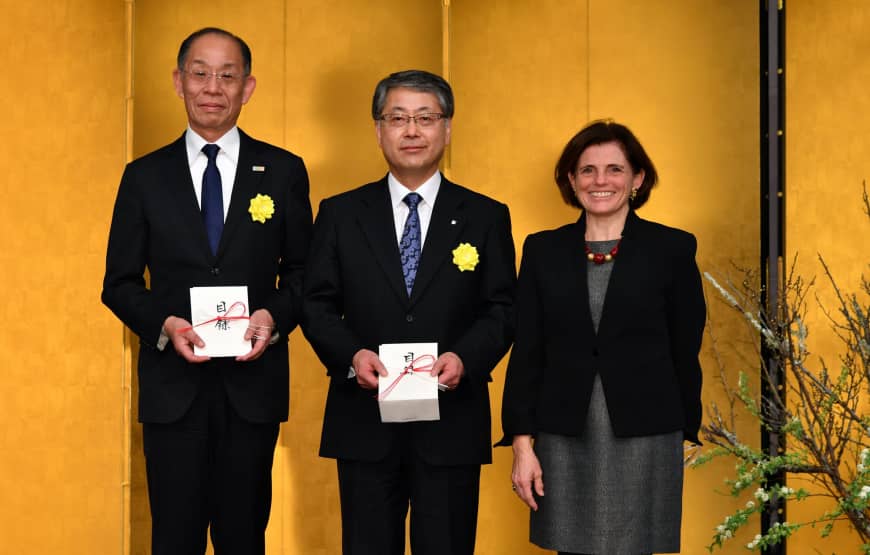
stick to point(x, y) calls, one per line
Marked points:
point(820, 411)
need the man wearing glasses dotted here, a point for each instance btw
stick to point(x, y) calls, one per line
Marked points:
point(229, 215)
point(411, 258)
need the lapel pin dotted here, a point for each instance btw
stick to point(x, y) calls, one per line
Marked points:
point(258, 168)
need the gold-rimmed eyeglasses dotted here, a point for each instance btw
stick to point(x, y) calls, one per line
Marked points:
point(403, 120)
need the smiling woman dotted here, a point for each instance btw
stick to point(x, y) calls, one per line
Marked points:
point(608, 423)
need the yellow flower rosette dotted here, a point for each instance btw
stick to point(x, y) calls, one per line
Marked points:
point(262, 207)
point(465, 257)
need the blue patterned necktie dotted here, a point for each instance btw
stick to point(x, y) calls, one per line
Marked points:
point(212, 198)
point(409, 246)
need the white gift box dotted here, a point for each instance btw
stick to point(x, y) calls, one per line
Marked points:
point(408, 393)
point(220, 317)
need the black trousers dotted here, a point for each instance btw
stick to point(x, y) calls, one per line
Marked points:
point(210, 468)
point(376, 496)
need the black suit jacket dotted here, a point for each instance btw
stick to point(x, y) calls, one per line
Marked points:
point(157, 225)
point(355, 298)
point(647, 345)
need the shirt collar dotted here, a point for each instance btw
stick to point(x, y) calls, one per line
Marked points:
point(428, 190)
point(229, 144)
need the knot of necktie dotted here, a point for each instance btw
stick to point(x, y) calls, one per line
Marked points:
point(211, 151)
point(412, 200)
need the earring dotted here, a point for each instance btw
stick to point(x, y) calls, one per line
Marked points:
point(633, 194)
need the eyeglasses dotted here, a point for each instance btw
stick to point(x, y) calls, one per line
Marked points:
point(203, 76)
point(403, 120)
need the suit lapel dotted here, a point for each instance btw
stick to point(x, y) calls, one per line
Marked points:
point(446, 223)
point(183, 195)
point(376, 223)
point(244, 188)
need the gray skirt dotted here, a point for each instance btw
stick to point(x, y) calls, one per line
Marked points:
point(607, 495)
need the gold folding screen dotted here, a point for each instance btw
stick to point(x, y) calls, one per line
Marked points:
point(316, 65)
point(827, 159)
point(683, 76)
point(527, 75)
point(63, 144)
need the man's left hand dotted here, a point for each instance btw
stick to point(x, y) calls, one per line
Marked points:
point(260, 328)
point(449, 369)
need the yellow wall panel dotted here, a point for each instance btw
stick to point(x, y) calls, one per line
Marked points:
point(519, 72)
point(827, 158)
point(336, 52)
point(61, 442)
point(683, 75)
point(316, 66)
point(159, 118)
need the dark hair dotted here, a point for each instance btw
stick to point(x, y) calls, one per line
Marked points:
point(418, 80)
point(596, 133)
point(188, 42)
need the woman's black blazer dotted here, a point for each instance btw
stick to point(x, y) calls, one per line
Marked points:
point(647, 345)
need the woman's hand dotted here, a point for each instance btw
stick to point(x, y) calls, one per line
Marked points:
point(526, 473)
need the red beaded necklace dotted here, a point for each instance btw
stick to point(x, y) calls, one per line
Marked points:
point(600, 257)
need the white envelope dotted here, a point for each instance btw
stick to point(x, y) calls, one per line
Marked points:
point(220, 316)
point(408, 393)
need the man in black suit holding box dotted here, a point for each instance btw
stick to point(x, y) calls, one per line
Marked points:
point(411, 258)
point(214, 208)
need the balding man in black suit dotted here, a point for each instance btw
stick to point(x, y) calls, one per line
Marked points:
point(214, 208)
